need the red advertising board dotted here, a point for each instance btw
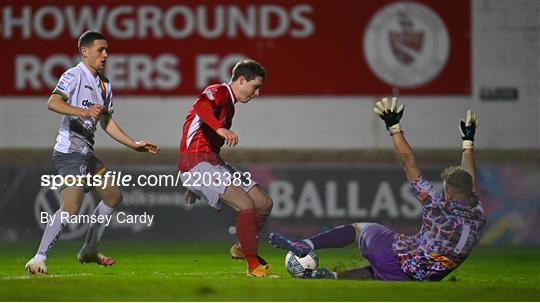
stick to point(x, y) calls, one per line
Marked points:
point(308, 47)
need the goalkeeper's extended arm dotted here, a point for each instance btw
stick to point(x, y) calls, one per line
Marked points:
point(391, 115)
point(468, 129)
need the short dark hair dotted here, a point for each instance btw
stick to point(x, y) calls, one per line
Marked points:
point(88, 38)
point(458, 179)
point(248, 68)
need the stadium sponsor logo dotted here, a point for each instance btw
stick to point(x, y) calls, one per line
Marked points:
point(406, 44)
point(133, 21)
point(333, 199)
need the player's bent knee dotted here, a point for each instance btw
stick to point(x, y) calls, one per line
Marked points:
point(246, 203)
point(264, 206)
point(112, 197)
point(359, 227)
point(268, 205)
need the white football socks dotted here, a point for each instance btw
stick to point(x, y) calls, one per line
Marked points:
point(52, 232)
point(96, 230)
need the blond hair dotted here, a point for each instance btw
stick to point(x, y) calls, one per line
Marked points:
point(458, 179)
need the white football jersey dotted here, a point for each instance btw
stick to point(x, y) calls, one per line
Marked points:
point(79, 88)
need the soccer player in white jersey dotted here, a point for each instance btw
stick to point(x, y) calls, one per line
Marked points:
point(83, 96)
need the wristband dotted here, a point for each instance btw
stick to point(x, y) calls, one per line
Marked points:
point(468, 144)
point(394, 129)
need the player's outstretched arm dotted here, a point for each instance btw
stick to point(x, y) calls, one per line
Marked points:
point(112, 129)
point(57, 104)
point(468, 129)
point(391, 115)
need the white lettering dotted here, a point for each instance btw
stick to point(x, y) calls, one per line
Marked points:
point(44, 217)
point(265, 23)
point(332, 208)
point(140, 71)
point(125, 71)
point(48, 66)
point(281, 193)
point(189, 22)
point(384, 201)
point(130, 21)
point(41, 29)
point(127, 29)
point(307, 26)
point(353, 201)
point(309, 200)
point(208, 67)
point(149, 18)
point(27, 72)
point(78, 23)
point(168, 75)
point(246, 23)
point(204, 24)
point(9, 22)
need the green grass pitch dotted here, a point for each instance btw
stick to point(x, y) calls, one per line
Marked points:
point(168, 271)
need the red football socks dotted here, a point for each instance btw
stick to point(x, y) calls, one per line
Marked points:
point(259, 221)
point(246, 231)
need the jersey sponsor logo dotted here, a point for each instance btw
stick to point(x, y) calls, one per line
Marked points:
point(464, 213)
point(87, 103)
point(89, 87)
point(406, 44)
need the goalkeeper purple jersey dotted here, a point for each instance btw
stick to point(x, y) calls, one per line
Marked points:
point(450, 230)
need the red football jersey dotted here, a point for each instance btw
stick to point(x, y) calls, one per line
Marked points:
point(213, 109)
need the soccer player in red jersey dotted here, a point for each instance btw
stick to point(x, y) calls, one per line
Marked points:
point(204, 173)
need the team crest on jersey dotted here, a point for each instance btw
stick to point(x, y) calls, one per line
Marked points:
point(210, 94)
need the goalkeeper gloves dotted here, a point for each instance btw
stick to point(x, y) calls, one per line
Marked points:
point(390, 114)
point(468, 129)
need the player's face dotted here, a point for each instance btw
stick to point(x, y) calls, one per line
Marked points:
point(249, 89)
point(96, 54)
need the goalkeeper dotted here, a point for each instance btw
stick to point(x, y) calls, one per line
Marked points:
point(452, 220)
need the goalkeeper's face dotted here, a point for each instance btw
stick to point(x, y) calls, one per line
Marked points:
point(96, 54)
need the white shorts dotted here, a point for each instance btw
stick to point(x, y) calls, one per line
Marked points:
point(209, 181)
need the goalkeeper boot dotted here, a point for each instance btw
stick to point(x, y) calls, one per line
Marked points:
point(86, 256)
point(299, 248)
point(261, 271)
point(319, 273)
point(237, 254)
point(36, 267)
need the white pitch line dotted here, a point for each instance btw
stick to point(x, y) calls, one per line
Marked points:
point(25, 277)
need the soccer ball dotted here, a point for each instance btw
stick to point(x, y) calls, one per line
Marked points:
point(296, 266)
